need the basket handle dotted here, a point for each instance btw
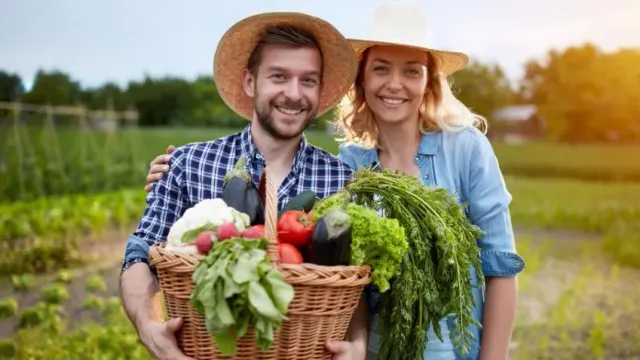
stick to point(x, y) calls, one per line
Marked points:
point(271, 218)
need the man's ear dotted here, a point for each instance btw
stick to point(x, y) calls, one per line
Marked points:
point(248, 83)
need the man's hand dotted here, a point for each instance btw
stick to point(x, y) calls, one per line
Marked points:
point(160, 340)
point(346, 350)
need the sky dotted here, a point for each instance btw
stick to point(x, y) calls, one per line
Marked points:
point(122, 40)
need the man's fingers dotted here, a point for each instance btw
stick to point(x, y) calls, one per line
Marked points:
point(337, 347)
point(147, 188)
point(174, 324)
point(170, 149)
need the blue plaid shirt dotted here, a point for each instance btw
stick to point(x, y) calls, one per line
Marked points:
point(197, 172)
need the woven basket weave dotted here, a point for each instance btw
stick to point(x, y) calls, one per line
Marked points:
point(324, 301)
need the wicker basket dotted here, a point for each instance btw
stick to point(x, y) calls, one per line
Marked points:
point(324, 301)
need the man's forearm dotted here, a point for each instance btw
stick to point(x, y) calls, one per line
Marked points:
point(499, 315)
point(138, 289)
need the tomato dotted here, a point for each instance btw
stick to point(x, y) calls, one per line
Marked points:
point(295, 227)
point(289, 254)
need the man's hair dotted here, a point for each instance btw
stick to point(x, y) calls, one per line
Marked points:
point(284, 35)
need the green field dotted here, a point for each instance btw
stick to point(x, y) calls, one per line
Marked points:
point(41, 162)
point(576, 211)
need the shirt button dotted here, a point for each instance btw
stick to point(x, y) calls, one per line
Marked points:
point(426, 176)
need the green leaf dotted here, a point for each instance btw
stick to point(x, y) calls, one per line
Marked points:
point(247, 266)
point(190, 235)
point(282, 293)
point(223, 312)
point(262, 303)
point(226, 342)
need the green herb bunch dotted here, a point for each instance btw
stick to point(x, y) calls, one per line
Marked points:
point(236, 287)
point(434, 281)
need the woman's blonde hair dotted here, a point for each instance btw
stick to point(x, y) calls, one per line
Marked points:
point(440, 109)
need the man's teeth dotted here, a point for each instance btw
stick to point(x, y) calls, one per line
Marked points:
point(289, 111)
point(392, 101)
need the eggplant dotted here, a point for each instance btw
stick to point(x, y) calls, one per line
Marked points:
point(240, 193)
point(331, 240)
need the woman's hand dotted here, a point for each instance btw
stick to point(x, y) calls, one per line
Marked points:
point(346, 350)
point(158, 167)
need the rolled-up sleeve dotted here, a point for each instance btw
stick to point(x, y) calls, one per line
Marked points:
point(488, 209)
point(166, 202)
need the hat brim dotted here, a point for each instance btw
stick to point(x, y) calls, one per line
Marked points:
point(448, 61)
point(340, 65)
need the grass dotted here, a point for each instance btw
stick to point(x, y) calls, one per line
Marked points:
point(575, 305)
point(40, 161)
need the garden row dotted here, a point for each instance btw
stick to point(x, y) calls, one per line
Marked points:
point(42, 235)
point(37, 162)
point(74, 317)
point(591, 316)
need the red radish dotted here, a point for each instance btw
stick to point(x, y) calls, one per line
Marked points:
point(227, 231)
point(204, 241)
point(251, 233)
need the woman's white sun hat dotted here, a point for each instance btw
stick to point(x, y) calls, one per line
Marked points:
point(404, 24)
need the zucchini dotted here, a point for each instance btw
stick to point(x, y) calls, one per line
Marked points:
point(303, 201)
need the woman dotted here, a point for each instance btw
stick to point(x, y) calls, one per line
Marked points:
point(402, 115)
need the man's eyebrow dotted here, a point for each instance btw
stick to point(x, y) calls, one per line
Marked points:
point(281, 69)
point(412, 62)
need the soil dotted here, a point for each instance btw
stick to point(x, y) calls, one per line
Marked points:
point(111, 252)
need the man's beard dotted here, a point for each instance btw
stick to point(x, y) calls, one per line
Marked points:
point(267, 122)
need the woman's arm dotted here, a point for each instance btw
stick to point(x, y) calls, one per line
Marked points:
point(158, 167)
point(354, 346)
point(489, 209)
point(499, 315)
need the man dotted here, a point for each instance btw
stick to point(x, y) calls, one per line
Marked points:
point(280, 71)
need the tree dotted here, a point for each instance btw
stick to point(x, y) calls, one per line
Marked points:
point(53, 88)
point(585, 94)
point(11, 87)
point(483, 88)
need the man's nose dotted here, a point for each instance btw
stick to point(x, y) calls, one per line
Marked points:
point(293, 91)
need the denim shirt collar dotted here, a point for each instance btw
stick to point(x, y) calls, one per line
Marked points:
point(428, 146)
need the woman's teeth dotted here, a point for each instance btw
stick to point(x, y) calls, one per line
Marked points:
point(289, 111)
point(392, 101)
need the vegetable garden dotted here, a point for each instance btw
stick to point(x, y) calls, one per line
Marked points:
point(69, 196)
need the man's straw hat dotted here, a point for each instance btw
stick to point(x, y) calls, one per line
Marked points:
point(235, 47)
point(404, 24)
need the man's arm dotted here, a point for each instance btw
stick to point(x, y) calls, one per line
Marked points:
point(165, 204)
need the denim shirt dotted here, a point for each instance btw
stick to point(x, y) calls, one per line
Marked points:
point(464, 163)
